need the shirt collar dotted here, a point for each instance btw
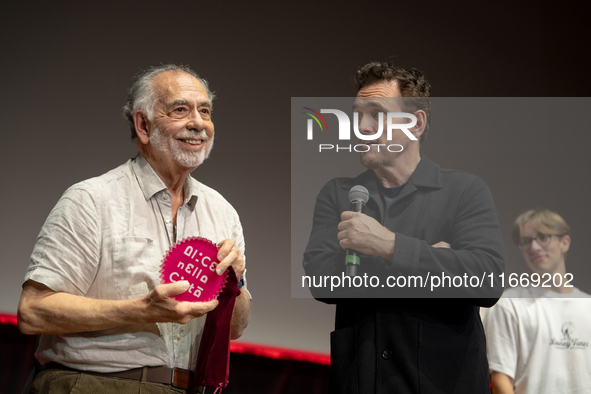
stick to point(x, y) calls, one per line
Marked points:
point(151, 184)
point(425, 175)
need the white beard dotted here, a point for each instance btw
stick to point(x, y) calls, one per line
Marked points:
point(182, 156)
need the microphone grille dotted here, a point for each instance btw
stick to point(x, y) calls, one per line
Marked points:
point(358, 193)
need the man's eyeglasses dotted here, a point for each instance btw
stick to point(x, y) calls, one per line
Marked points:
point(541, 239)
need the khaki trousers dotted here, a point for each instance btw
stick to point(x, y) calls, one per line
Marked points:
point(58, 381)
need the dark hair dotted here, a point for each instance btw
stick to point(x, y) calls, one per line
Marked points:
point(411, 82)
point(141, 93)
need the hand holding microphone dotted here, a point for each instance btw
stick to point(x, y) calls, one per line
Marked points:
point(358, 197)
point(361, 233)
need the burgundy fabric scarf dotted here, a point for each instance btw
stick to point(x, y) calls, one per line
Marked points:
point(213, 360)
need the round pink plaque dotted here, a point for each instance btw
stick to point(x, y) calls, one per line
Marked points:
point(194, 259)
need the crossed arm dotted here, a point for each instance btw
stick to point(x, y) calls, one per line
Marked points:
point(465, 219)
point(364, 234)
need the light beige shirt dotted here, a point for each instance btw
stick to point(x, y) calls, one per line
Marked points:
point(105, 239)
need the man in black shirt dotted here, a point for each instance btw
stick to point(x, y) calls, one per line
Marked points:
point(420, 220)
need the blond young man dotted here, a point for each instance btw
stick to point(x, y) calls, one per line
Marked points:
point(538, 336)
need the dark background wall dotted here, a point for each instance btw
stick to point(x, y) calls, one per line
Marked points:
point(65, 68)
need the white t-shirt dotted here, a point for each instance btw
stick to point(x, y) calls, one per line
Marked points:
point(541, 339)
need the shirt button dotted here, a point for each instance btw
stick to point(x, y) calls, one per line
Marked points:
point(386, 354)
point(165, 197)
point(178, 336)
point(167, 221)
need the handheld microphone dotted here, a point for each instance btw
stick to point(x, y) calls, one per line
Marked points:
point(358, 196)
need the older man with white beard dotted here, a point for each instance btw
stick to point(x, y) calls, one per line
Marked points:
point(92, 286)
